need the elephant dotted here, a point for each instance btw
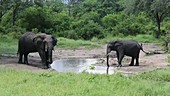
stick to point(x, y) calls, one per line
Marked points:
point(125, 47)
point(42, 43)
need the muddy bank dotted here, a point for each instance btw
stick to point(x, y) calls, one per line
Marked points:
point(147, 63)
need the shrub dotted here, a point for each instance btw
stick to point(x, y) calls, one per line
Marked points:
point(15, 31)
point(36, 17)
point(90, 30)
point(72, 35)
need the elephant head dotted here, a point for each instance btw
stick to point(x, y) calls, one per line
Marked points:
point(45, 44)
point(112, 46)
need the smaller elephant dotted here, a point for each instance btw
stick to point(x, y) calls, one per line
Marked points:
point(42, 43)
point(125, 47)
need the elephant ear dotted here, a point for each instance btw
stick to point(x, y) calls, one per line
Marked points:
point(118, 44)
point(54, 40)
point(39, 37)
point(39, 41)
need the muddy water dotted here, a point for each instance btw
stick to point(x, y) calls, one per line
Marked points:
point(79, 66)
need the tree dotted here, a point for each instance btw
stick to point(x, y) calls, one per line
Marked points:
point(71, 4)
point(108, 7)
point(4, 7)
point(156, 9)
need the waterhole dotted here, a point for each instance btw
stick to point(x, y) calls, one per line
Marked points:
point(91, 66)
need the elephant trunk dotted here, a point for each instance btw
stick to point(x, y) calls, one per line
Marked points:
point(107, 56)
point(49, 57)
point(107, 60)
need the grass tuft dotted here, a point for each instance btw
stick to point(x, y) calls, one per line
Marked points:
point(8, 45)
point(50, 83)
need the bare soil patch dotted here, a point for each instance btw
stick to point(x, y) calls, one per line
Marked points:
point(147, 63)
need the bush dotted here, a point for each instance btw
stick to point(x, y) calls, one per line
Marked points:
point(37, 17)
point(16, 31)
point(122, 24)
point(131, 26)
point(61, 22)
point(90, 30)
point(111, 20)
point(2, 30)
point(72, 35)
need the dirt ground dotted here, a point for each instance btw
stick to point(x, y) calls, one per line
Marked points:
point(147, 63)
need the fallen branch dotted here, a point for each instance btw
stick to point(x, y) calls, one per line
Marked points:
point(157, 52)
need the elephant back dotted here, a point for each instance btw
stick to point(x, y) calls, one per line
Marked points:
point(25, 44)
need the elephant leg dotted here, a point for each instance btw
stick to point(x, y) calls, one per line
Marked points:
point(137, 61)
point(43, 59)
point(120, 57)
point(132, 62)
point(47, 62)
point(20, 58)
point(117, 56)
point(26, 58)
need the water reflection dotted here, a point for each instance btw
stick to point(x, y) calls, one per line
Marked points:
point(79, 65)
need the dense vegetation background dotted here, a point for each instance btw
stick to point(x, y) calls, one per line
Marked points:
point(85, 19)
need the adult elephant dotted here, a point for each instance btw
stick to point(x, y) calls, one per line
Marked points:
point(41, 43)
point(125, 47)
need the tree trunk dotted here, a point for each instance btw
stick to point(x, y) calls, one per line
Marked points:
point(14, 17)
point(158, 20)
point(159, 29)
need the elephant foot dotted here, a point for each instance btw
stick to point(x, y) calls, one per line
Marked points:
point(45, 67)
point(131, 64)
point(26, 63)
point(20, 62)
point(119, 65)
point(137, 65)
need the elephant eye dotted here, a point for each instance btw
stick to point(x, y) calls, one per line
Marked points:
point(110, 46)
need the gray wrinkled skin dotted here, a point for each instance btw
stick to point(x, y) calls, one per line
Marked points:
point(42, 43)
point(125, 47)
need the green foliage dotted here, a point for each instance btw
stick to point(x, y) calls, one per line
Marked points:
point(79, 19)
point(146, 39)
point(71, 34)
point(132, 26)
point(110, 21)
point(168, 59)
point(73, 44)
point(8, 45)
point(91, 67)
point(37, 17)
point(19, 83)
point(140, 38)
point(88, 26)
point(61, 23)
point(157, 10)
point(90, 30)
point(156, 75)
point(122, 24)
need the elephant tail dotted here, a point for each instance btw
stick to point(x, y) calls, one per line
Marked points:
point(143, 50)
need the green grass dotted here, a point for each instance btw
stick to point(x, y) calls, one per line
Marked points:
point(26, 83)
point(74, 44)
point(156, 75)
point(8, 45)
